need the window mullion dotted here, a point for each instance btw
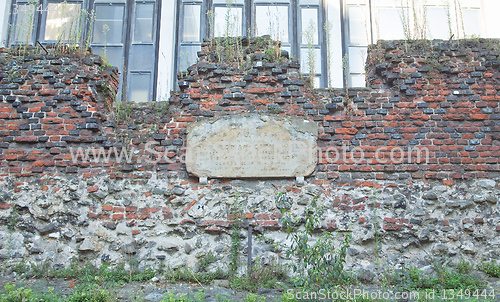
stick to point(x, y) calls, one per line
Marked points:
point(248, 15)
point(126, 46)
point(156, 26)
point(295, 43)
point(38, 20)
point(205, 28)
point(323, 45)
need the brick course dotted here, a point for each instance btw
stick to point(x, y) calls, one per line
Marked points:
point(441, 96)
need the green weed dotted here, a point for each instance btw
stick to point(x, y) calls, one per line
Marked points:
point(318, 263)
point(273, 275)
point(491, 268)
point(464, 267)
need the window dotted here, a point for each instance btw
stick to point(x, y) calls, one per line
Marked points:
point(63, 21)
point(122, 31)
point(190, 34)
point(272, 20)
point(228, 20)
point(141, 67)
point(24, 16)
point(285, 20)
point(438, 23)
point(108, 23)
point(310, 48)
point(469, 18)
point(390, 23)
point(127, 32)
point(357, 38)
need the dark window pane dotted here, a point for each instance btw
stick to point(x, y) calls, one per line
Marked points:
point(139, 87)
point(114, 55)
point(108, 24)
point(24, 23)
point(143, 31)
point(188, 55)
point(141, 57)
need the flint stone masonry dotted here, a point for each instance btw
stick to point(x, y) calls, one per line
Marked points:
point(251, 145)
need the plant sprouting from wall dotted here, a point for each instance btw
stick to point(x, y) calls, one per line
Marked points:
point(211, 29)
point(405, 20)
point(448, 18)
point(91, 19)
point(69, 33)
point(419, 20)
point(329, 52)
point(123, 110)
point(228, 30)
point(414, 19)
point(318, 262)
point(460, 19)
point(21, 33)
point(105, 29)
point(347, 100)
point(311, 53)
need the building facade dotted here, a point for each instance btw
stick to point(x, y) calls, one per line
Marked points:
point(151, 40)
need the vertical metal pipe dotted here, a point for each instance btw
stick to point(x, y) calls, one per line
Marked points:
point(345, 39)
point(249, 249)
point(371, 21)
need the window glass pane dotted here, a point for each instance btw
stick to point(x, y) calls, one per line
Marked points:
point(228, 21)
point(357, 59)
point(471, 22)
point(470, 3)
point(113, 54)
point(188, 55)
point(108, 24)
point(141, 57)
point(24, 23)
point(317, 82)
point(272, 20)
point(63, 22)
point(191, 31)
point(273, 1)
point(357, 80)
point(390, 24)
point(358, 31)
point(389, 3)
point(356, 2)
point(310, 2)
point(143, 30)
point(437, 23)
point(313, 55)
point(139, 87)
point(233, 2)
point(309, 26)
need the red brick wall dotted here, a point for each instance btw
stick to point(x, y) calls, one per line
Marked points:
point(443, 97)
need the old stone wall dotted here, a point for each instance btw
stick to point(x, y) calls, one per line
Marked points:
point(433, 106)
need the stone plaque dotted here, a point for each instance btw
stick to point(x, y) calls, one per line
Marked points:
point(251, 145)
